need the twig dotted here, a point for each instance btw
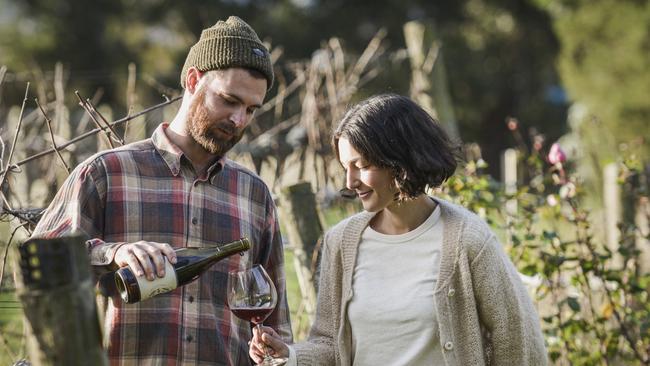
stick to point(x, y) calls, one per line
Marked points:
point(94, 110)
point(290, 89)
point(367, 56)
point(4, 258)
point(48, 121)
point(92, 132)
point(599, 271)
point(84, 120)
point(130, 94)
point(155, 84)
point(2, 153)
point(30, 216)
point(3, 72)
point(13, 144)
point(83, 105)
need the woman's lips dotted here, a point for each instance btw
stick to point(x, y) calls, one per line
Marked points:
point(363, 195)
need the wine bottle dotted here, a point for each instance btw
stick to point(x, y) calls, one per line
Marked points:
point(190, 264)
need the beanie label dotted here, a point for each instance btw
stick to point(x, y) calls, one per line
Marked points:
point(258, 52)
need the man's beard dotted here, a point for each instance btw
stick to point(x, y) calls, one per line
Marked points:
point(203, 129)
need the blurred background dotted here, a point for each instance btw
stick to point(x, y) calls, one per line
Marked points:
point(501, 75)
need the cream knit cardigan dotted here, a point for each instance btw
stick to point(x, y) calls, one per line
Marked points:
point(485, 314)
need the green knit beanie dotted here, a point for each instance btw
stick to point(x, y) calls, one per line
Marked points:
point(232, 43)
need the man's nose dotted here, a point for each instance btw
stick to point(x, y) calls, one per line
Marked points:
point(239, 117)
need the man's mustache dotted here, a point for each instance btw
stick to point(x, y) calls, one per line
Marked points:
point(228, 128)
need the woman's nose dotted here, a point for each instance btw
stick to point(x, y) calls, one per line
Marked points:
point(351, 179)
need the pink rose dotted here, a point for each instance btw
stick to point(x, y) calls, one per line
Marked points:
point(556, 155)
point(512, 124)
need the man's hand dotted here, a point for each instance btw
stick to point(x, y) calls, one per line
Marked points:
point(266, 339)
point(145, 258)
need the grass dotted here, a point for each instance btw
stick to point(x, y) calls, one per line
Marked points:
point(11, 329)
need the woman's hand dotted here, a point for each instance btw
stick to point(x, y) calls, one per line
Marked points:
point(266, 339)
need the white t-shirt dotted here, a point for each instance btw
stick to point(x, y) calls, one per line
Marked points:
point(392, 312)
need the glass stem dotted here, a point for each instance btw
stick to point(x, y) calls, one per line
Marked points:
point(267, 356)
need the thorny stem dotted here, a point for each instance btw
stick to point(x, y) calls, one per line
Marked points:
point(48, 121)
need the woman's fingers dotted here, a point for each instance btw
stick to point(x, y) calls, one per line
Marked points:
point(276, 346)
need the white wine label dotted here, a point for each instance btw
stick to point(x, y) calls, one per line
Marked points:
point(159, 285)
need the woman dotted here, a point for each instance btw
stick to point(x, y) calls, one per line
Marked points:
point(412, 280)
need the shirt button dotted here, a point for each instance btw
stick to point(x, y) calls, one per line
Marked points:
point(451, 292)
point(190, 299)
point(195, 220)
point(189, 338)
point(449, 346)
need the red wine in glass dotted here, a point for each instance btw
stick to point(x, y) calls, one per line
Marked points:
point(253, 315)
point(252, 297)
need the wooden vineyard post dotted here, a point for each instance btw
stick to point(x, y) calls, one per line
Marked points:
point(429, 85)
point(304, 230)
point(56, 287)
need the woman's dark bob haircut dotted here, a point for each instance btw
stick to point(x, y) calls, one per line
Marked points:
point(391, 131)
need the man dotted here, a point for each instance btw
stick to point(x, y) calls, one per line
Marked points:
point(177, 189)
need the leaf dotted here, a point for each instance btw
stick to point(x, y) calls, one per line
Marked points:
point(606, 310)
point(573, 304)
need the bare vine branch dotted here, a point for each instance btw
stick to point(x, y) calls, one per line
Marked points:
point(91, 133)
point(13, 144)
point(48, 121)
point(83, 105)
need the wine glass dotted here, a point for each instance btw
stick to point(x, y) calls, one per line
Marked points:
point(252, 297)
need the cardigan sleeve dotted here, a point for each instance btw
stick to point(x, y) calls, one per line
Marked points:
point(505, 308)
point(320, 348)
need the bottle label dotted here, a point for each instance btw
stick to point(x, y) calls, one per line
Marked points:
point(159, 285)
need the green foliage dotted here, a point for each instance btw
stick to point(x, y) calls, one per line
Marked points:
point(593, 300)
point(604, 63)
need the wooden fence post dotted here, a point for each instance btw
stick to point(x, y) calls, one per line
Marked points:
point(429, 78)
point(56, 287)
point(612, 205)
point(304, 230)
point(509, 178)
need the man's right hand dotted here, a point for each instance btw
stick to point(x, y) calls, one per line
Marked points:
point(145, 258)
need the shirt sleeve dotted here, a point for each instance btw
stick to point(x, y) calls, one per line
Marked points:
point(78, 208)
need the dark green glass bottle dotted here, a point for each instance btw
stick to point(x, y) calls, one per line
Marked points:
point(190, 263)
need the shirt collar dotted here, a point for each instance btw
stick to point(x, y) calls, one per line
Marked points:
point(172, 154)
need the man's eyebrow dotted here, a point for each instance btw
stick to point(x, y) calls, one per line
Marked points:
point(240, 100)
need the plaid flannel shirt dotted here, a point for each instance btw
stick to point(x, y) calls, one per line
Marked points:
point(149, 191)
